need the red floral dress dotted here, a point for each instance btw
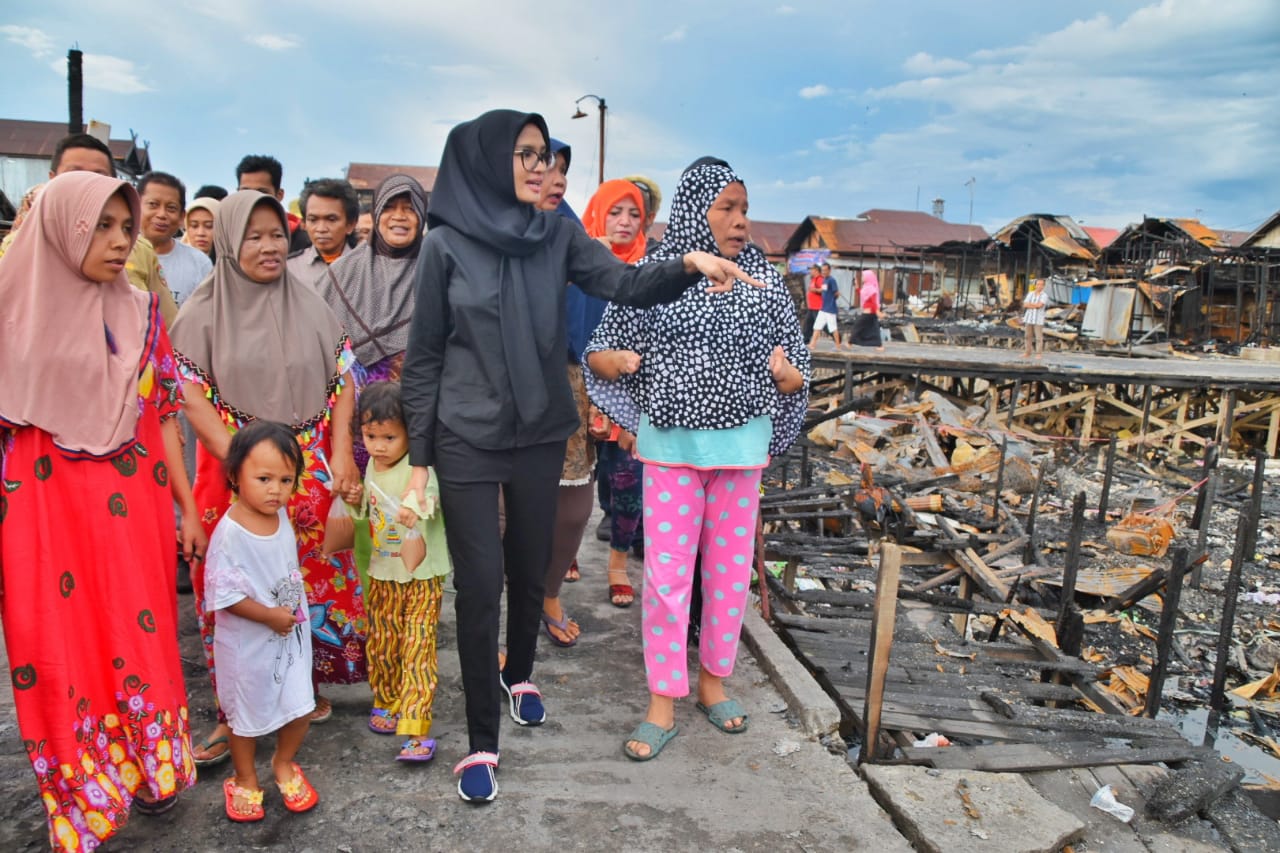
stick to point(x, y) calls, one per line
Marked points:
point(88, 562)
point(334, 596)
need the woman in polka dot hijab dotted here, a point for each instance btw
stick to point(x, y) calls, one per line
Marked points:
point(712, 385)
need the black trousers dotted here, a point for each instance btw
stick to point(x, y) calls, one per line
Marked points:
point(469, 479)
point(807, 323)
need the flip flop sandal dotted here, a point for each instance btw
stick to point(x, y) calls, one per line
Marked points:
point(476, 782)
point(417, 749)
point(561, 625)
point(208, 746)
point(573, 575)
point(383, 722)
point(151, 808)
point(230, 790)
point(651, 735)
point(298, 794)
point(319, 716)
point(525, 702)
point(722, 712)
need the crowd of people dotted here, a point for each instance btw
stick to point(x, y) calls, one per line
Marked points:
point(343, 415)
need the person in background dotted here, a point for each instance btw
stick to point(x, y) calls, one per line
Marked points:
point(364, 225)
point(199, 225)
point(329, 210)
point(212, 191)
point(615, 216)
point(264, 173)
point(1034, 305)
point(573, 501)
point(828, 318)
point(164, 202)
point(488, 401)
point(866, 328)
point(91, 466)
point(813, 291)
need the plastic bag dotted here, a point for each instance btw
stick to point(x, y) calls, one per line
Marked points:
point(339, 528)
point(1104, 799)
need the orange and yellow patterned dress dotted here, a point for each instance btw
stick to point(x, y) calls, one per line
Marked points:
point(88, 563)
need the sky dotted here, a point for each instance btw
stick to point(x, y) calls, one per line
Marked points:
point(1102, 111)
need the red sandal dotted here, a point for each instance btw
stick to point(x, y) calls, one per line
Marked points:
point(230, 790)
point(298, 794)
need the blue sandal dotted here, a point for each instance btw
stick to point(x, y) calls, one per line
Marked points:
point(477, 784)
point(525, 702)
point(722, 712)
point(651, 735)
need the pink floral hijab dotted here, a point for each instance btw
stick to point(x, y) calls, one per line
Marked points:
point(70, 347)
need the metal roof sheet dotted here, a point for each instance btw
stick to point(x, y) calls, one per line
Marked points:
point(367, 176)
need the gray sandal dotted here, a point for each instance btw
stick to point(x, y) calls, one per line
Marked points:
point(722, 712)
point(653, 736)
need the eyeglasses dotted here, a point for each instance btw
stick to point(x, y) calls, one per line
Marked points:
point(529, 158)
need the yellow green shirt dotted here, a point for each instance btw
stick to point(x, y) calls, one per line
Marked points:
point(388, 534)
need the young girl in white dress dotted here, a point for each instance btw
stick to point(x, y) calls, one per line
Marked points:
point(262, 645)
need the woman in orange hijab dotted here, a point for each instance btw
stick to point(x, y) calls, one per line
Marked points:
point(615, 217)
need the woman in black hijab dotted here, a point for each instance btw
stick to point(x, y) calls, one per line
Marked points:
point(487, 398)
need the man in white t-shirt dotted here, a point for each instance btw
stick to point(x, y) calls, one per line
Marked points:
point(164, 201)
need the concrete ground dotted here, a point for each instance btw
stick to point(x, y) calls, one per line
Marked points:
point(564, 786)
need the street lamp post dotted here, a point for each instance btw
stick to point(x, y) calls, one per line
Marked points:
point(580, 114)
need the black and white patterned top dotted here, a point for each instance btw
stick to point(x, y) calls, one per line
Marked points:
point(705, 357)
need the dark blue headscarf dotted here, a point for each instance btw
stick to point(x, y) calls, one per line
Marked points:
point(582, 313)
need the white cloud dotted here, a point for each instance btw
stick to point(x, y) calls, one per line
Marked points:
point(677, 34)
point(786, 10)
point(812, 182)
point(267, 41)
point(924, 63)
point(821, 90)
point(36, 41)
point(107, 73)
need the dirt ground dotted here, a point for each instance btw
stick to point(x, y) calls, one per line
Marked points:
point(564, 786)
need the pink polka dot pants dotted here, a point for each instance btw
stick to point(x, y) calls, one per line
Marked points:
point(686, 512)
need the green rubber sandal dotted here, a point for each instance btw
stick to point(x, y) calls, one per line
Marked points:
point(722, 712)
point(653, 736)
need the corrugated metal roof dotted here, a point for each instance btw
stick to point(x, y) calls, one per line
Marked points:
point(1102, 237)
point(367, 176)
point(772, 237)
point(1197, 231)
point(19, 138)
point(885, 231)
point(1267, 235)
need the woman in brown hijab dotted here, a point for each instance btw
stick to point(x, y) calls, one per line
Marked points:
point(252, 342)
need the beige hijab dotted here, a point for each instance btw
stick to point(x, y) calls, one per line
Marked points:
point(269, 349)
point(70, 347)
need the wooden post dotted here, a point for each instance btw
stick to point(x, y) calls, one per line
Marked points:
point(1209, 493)
point(995, 501)
point(762, 583)
point(1180, 419)
point(1166, 638)
point(1029, 552)
point(1230, 593)
point(1210, 464)
point(1013, 400)
point(1255, 504)
point(882, 622)
point(1086, 428)
point(805, 473)
point(1146, 412)
point(1273, 431)
point(1226, 417)
point(1072, 567)
point(1106, 481)
point(848, 383)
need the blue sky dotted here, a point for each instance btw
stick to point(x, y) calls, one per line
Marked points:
point(1103, 111)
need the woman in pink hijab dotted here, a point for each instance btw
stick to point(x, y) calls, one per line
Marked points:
point(866, 329)
point(91, 465)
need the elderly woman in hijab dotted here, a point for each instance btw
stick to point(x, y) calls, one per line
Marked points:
point(90, 460)
point(255, 343)
point(488, 400)
point(712, 385)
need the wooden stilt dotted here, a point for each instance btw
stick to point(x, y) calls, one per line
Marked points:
point(1165, 639)
point(882, 622)
point(1230, 593)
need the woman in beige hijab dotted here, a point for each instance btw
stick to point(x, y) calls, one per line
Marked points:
point(253, 342)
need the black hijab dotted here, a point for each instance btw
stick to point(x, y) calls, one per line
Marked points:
point(475, 195)
point(475, 187)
